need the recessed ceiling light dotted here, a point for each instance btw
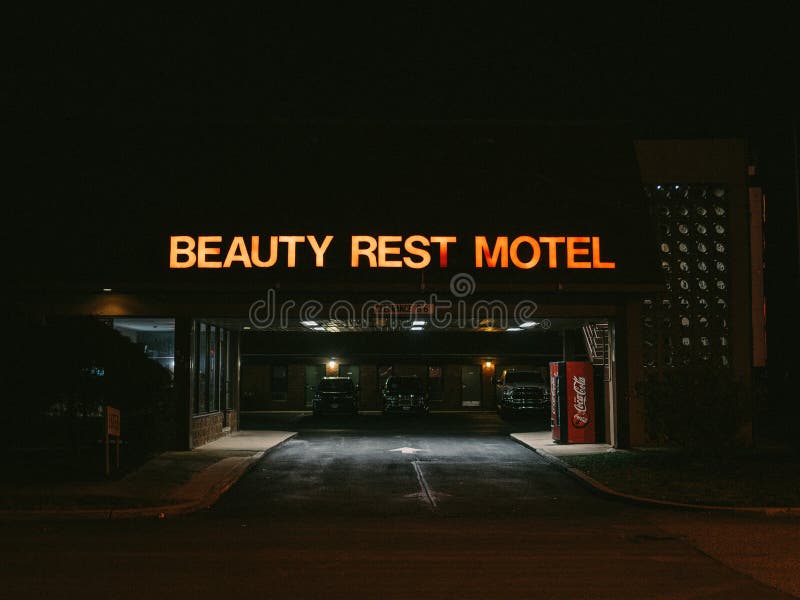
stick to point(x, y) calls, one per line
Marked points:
point(514, 329)
point(319, 329)
point(309, 323)
point(527, 324)
point(417, 328)
point(246, 327)
point(418, 323)
point(107, 290)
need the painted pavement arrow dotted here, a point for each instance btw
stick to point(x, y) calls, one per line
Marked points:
point(407, 450)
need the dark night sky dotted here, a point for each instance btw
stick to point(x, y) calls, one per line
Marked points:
point(674, 66)
point(100, 102)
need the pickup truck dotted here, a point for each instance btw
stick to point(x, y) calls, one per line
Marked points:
point(522, 392)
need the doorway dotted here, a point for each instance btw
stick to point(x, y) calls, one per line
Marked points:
point(314, 374)
point(470, 386)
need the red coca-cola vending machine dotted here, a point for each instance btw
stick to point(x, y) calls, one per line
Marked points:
point(573, 413)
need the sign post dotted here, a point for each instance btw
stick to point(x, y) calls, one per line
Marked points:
point(112, 428)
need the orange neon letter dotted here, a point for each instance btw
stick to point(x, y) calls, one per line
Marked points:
point(356, 250)
point(425, 256)
point(176, 251)
point(273, 252)
point(237, 252)
point(596, 263)
point(443, 240)
point(482, 251)
point(291, 247)
point(383, 251)
point(537, 252)
point(203, 252)
point(319, 251)
point(572, 252)
point(552, 243)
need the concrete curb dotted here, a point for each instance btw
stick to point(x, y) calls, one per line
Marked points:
point(603, 490)
point(162, 511)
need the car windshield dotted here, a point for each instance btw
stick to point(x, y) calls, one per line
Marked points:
point(410, 385)
point(523, 377)
point(335, 385)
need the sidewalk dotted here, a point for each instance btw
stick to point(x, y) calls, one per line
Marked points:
point(170, 484)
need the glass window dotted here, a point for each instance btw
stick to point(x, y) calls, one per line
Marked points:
point(213, 358)
point(212, 369)
point(226, 369)
point(202, 368)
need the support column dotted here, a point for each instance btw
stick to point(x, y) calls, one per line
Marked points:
point(237, 378)
point(623, 395)
point(183, 383)
point(610, 386)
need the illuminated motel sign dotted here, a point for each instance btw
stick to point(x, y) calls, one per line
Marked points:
point(385, 251)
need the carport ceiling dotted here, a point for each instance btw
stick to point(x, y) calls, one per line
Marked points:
point(399, 324)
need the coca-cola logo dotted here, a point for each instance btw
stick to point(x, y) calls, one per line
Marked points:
point(581, 416)
point(580, 421)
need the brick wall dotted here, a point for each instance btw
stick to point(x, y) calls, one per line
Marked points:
point(233, 420)
point(420, 371)
point(206, 428)
point(368, 388)
point(488, 389)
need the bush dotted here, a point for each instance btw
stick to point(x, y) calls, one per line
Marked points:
point(694, 407)
point(69, 368)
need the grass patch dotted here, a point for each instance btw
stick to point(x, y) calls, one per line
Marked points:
point(745, 478)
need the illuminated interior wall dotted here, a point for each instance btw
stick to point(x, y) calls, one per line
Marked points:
point(155, 337)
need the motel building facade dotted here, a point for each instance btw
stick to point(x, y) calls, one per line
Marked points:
point(449, 251)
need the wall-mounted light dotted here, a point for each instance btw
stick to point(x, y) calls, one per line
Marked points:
point(418, 323)
point(332, 363)
point(309, 323)
point(514, 329)
point(246, 327)
point(107, 290)
point(527, 324)
point(488, 364)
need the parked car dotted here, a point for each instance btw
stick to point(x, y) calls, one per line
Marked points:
point(520, 392)
point(335, 395)
point(404, 394)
